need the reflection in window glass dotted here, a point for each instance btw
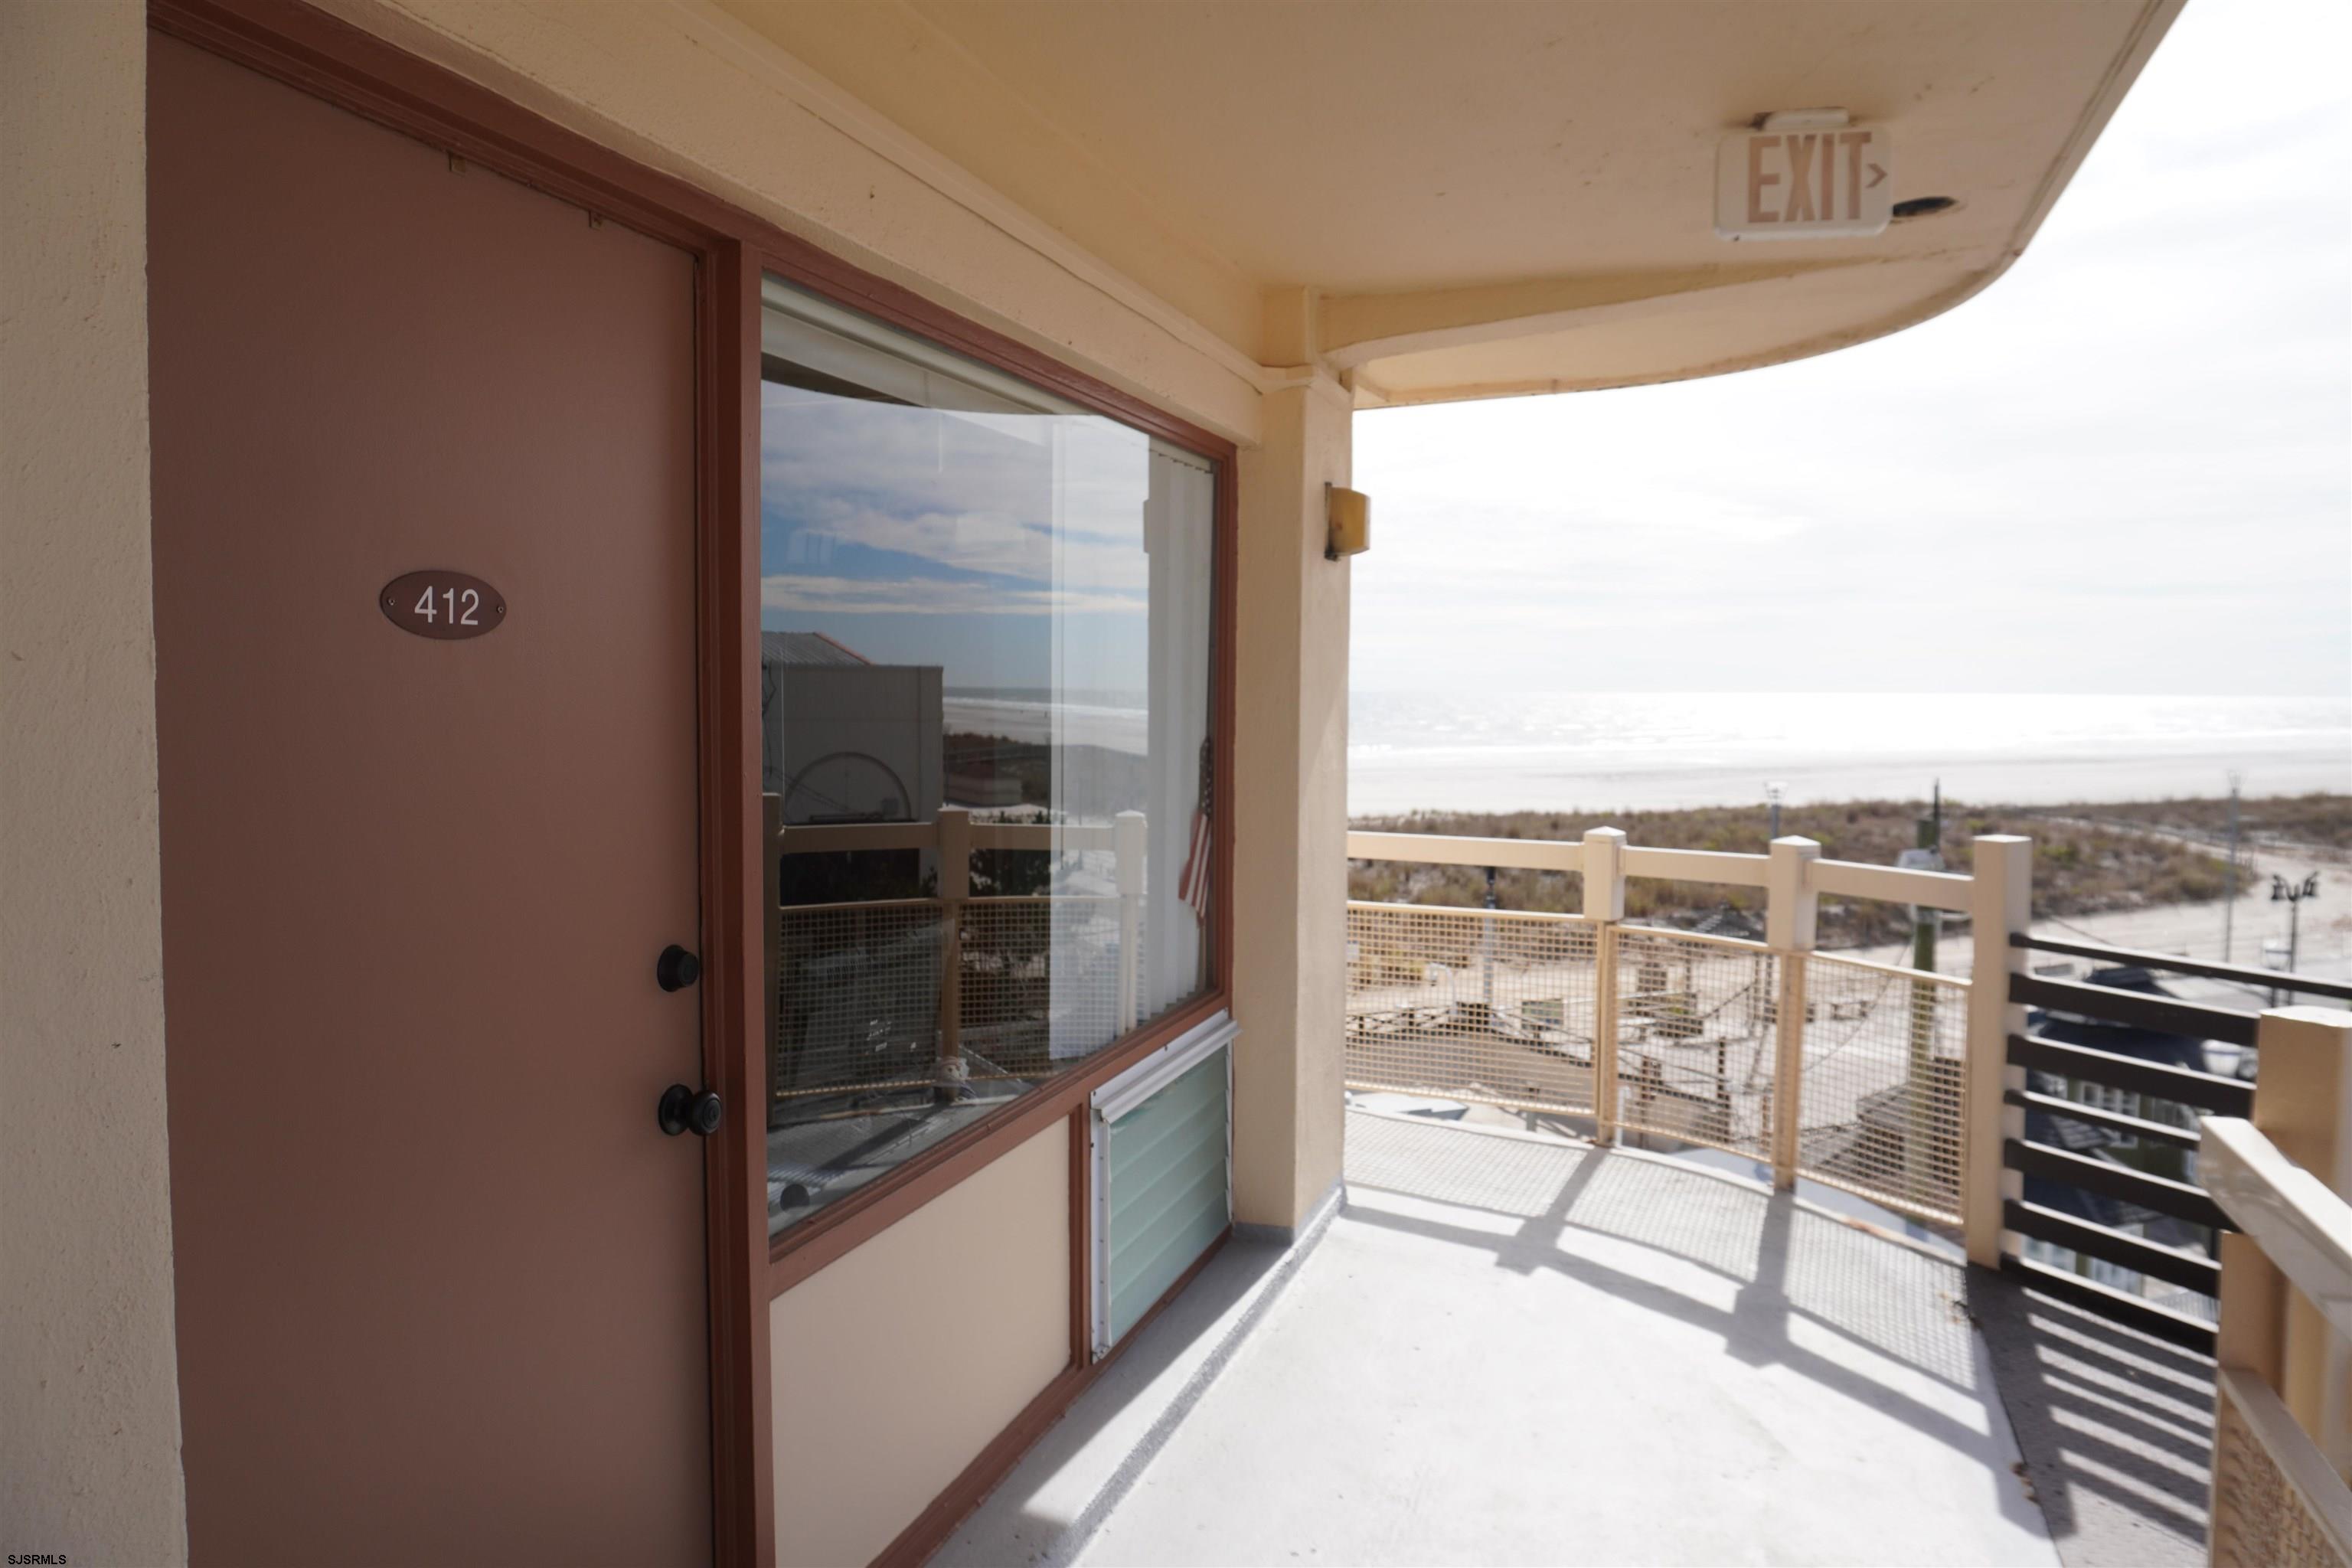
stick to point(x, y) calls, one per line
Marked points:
point(985, 668)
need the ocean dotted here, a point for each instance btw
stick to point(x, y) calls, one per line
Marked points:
point(1562, 751)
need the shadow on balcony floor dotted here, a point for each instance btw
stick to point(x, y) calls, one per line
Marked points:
point(1519, 1349)
point(2117, 1427)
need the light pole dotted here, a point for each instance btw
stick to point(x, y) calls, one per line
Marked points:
point(1926, 855)
point(2229, 900)
point(1772, 793)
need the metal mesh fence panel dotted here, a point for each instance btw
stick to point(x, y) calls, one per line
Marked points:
point(858, 1002)
point(1490, 1007)
point(1040, 981)
point(857, 995)
point(1694, 1044)
point(1885, 1053)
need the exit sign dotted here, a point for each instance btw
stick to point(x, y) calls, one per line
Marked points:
point(1804, 177)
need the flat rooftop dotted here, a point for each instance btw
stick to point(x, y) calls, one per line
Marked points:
point(1506, 1348)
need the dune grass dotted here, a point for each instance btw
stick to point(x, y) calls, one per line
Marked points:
point(2088, 859)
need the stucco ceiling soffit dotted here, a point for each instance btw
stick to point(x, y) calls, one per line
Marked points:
point(1714, 334)
point(1532, 170)
point(1357, 329)
point(916, 83)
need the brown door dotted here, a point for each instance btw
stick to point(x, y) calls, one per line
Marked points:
point(440, 1274)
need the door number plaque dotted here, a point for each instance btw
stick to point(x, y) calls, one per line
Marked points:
point(444, 605)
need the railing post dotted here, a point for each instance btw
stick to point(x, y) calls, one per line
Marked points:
point(1127, 847)
point(2302, 1103)
point(2000, 902)
point(955, 887)
point(1791, 925)
point(1604, 870)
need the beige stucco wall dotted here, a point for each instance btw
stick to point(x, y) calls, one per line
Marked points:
point(89, 1423)
point(896, 1366)
point(1290, 818)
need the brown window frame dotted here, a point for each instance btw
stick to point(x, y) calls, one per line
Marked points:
point(837, 1229)
point(294, 43)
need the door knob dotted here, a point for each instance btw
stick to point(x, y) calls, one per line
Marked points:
point(676, 969)
point(683, 1110)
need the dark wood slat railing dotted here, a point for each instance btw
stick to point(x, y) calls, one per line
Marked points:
point(2106, 1178)
point(2112, 1120)
point(2183, 1085)
point(2263, 979)
point(2133, 1252)
point(2134, 1008)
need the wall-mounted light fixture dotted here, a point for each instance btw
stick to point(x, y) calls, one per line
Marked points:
point(1348, 515)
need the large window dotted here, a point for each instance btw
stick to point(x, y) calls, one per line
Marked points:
point(986, 622)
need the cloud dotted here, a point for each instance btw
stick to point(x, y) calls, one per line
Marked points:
point(956, 493)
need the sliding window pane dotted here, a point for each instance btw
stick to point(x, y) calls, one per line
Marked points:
point(985, 623)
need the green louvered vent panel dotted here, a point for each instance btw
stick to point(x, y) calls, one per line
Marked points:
point(1167, 1182)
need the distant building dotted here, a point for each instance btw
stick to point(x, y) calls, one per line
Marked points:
point(806, 648)
point(844, 739)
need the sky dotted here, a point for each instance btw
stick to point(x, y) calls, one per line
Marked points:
point(919, 535)
point(2126, 466)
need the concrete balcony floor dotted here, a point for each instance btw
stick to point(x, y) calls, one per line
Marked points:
point(1507, 1349)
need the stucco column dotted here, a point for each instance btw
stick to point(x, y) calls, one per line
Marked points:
point(90, 1421)
point(1290, 812)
